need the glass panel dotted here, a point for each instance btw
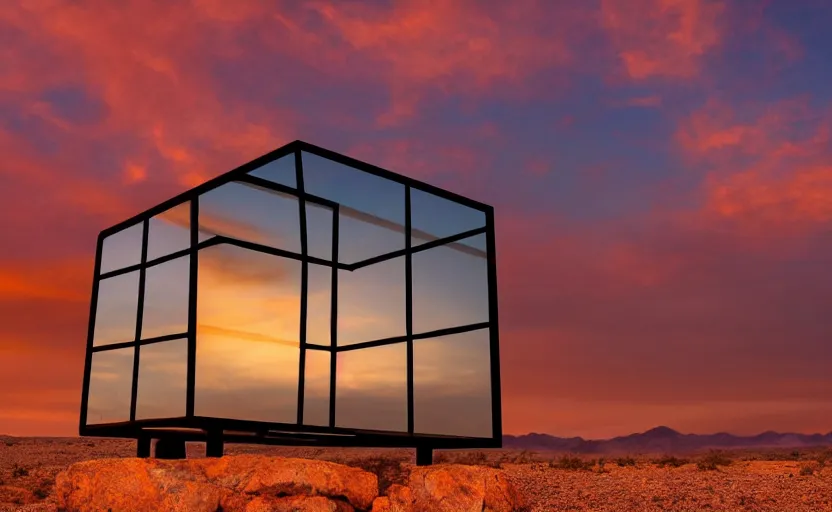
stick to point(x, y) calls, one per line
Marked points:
point(319, 305)
point(248, 323)
point(166, 298)
point(371, 302)
point(111, 385)
point(319, 231)
point(116, 309)
point(433, 217)
point(452, 385)
point(253, 214)
point(372, 208)
point(169, 232)
point(316, 390)
point(280, 171)
point(371, 388)
point(122, 249)
point(450, 287)
point(163, 380)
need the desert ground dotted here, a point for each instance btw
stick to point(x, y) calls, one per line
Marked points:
point(783, 480)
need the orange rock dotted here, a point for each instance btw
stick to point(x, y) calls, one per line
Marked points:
point(457, 488)
point(252, 474)
point(398, 499)
point(197, 485)
point(133, 485)
point(297, 504)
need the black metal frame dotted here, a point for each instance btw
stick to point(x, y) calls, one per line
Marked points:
point(216, 430)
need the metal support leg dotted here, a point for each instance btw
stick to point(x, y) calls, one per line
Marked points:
point(143, 446)
point(170, 448)
point(424, 456)
point(214, 444)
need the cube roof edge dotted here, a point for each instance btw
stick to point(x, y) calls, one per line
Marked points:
point(281, 152)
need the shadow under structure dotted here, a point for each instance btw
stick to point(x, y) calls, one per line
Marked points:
point(304, 298)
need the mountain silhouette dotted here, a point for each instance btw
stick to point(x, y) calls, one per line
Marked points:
point(664, 439)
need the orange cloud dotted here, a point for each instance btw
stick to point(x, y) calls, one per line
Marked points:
point(765, 169)
point(662, 38)
point(65, 280)
point(450, 45)
point(803, 195)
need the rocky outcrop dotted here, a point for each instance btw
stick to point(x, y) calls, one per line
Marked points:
point(456, 488)
point(238, 483)
point(252, 483)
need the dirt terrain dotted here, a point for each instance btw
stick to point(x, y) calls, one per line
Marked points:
point(763, 480)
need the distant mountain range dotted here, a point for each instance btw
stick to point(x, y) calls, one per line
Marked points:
point(663, 440)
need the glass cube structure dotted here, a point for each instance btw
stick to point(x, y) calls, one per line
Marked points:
point(302, 298)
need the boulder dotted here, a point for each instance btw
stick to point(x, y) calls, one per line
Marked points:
point(235, 483)
point(297, 504)
point(398, 499)
point(458, 488)
point(252, 474)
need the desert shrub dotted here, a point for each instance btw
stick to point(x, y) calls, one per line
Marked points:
point(472, 459)
point(671, 461)
point(41, 493)
point(712, 461)
point(625, 461)
point(823, 457)
point(808, 469)
point(18, 471)
point(795, 455)
point(441, 458)
point(572, 464)
point(524, 457)
point(477, 458)
point(388, 470)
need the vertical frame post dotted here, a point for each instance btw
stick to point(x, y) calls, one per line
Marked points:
point(192, 309)
point(139, 318)
point(304, 284)
point(408, 259)
point(85, 388)
point(493, 319)
point(333, 317)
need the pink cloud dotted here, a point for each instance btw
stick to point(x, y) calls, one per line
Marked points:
point(663, 38)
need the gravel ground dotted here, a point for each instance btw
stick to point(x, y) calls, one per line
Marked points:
point(28, 467)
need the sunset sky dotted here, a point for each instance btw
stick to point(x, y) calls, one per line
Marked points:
point(661, 172)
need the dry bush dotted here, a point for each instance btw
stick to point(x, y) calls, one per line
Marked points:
point(572, 464)
point(625, 461)
point(669, 460)
point(809, 469)
point(477, 458)
point(524, 457)
point(19, 471)
point(472, 459)
point(712, 461)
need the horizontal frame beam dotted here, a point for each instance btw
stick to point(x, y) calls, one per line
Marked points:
point(148, 341)
point(251, 432)
point(425, 335)
point(252, 246)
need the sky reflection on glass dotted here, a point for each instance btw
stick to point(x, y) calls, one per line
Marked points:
point(162, 384)
point(247, 335)
point(111, 381)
